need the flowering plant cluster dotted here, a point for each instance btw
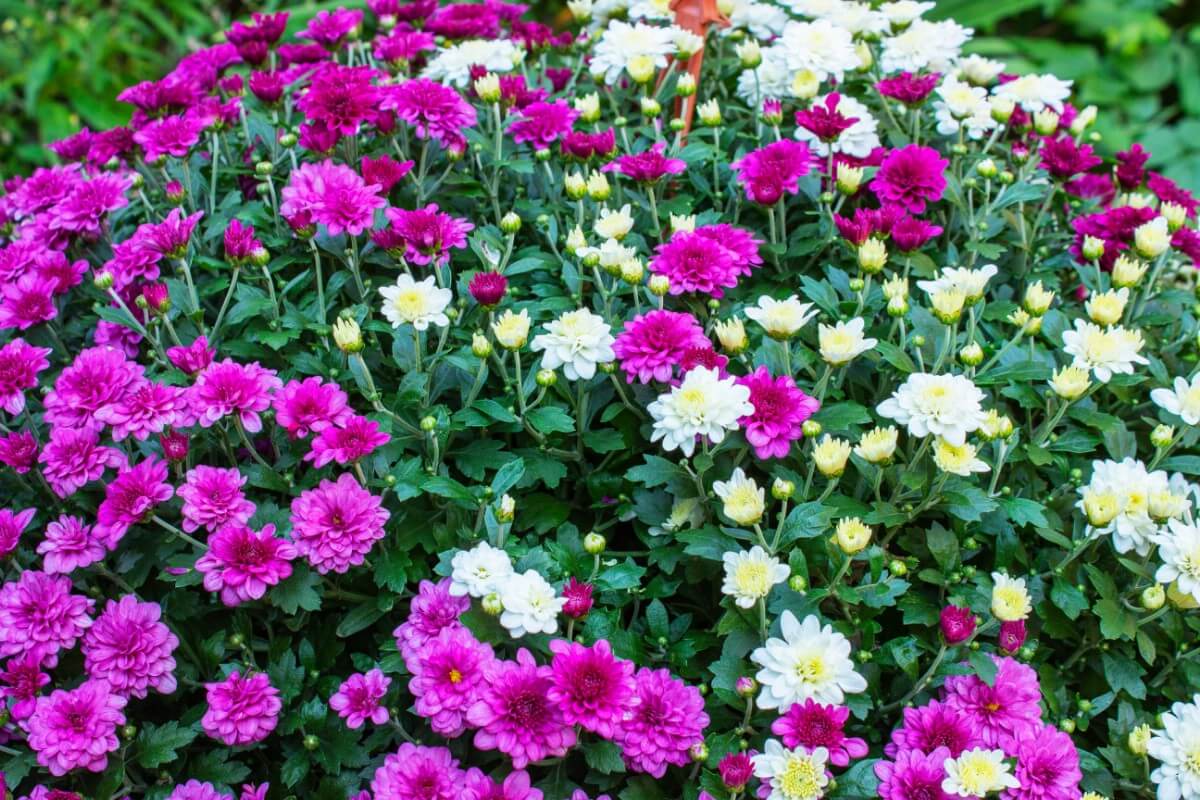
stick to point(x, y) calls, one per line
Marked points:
point(712, 400)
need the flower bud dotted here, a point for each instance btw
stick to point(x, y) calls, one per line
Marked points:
point(1070, 383)
point(798, 583)
point(782, 489)
point(650, 107)
point(263, 168)
point(1093, 248)
point(103, 281)
point(1012, 635)
point(1153, 597)
point(575, 186)
point(510, 223)
point(746, 686)
point(594, 544)
point(948, 305)
point(987, 168)
point(1162, 435)
point(1037, 299)
point(897, 306)
point(1174, 214)
point(1152, 239)
point(831, 455)
point(632, 271)
point(698, 752)
point(347, 335)
point(546, 378)
point(710, 113)
point(1127, 272)
point(849, 178)
point(428, 424)
point(480, 346)
point(588, 107)
point(1045, 121)
point(749, 53)
point(492, 605)
point(598, 188)
point(1100, 507)
point(506, 509)
point(1002, 108)
point(1083, 120)
point(852, 535)
point(732, 335)
point(872, 256)
point(877, 446)
point(811, 428)
point(1139, 740)
point(685, 86)
point(288, 140)
point(957, 624)
point(640, 68)
point(488, 88)
point(971, 354)
point(659, 285)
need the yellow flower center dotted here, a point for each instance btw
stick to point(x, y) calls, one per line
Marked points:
point(799, 779)
point(812, 669)
point(751, 578)
point(409, 303)
point(1191, 761)
point(978, 775)
point(455, 676)
point(691, 402)
point(1099, 347)
point(1191, 399)
point(1010, 602)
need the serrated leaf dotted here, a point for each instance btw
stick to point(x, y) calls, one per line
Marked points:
point(159, 744)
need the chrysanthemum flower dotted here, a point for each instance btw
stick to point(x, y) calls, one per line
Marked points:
point(18, 451)
point(515, 715)
point(795, 774)
point(779, 410)
point(593, 688)
point(770, 171)
point(195, 790)
point(1006, 709)
point(416, 303)
point(530, 604)
point(427, 234)
point(335, 525)
point(20, 364)
point(360, 697)
point(434, 609)
point(354, 439)
point(703, 405)
point(653, 343)
point(12, 525)
point(242, 563)
point(435, 111)
point(666, 721)
point(949, 406)
point(914, 775)
point(577, 341)
point(130, 498)
point(69, 545)
point(310, 406)
point(146, 408)
point(932, 726)
point(448, 674)
point(334, 194)
point(416, 772)
point(74, 457)
point(130, 647)
point(542, 123)
point(39, 616)
point(811, 725)
point(810, 661)
point(76, 729)
point(20, 682)
point(695, 263)
point(241, 709)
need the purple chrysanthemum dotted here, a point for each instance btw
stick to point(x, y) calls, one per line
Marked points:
point(337, 523)
point(652, 344)
point(1007, 708)
point(593, 688)
point(780, 409)
point(131, 648)
point(667, 720)
point(515, 715)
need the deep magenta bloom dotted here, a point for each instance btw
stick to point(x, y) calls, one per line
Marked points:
point(334, 195)
point(695, 263)
point(336, 524)
point(403, 46)
point(146, 408)
point(515, 715)
point(651, 344)
point(341, 98)
point(169, 136)
point(592, 687)
point(913, 776)
point(448, 674)
point(1131, 167)
point(20, 364)
point(267, 86)
point(768, 172)
point(360, 698)
point(464, 21)
point(1115, 226)
point(1047, 766)
point(780, 409)
point(1064, 159)
point(39, 616)
point(824, 121)
point(911, 176)
point(310, 406)
point(213, 498)
point(27, 301)
point(73, 458)
point(227, 387)
point(957, 624)
point(1187, 241)
point(1008, 708)
point(385, 171)
point(427, 234)
point(931, 726)
point(584, 146)
point(193, 358)
point(330, 28)
point(488, 288)
point(129, 647)
point(130, 498)
point(69, 545)
point(432, 610)
point(416, 772)
point(667, 719)
point(649, 166)
point(241, 710)
point(910, 89)
point(242, 563)
point(434, 110)
point(174, 445)
point(1012, 635)
point(12, 525)
point(20, 682)
point(516, 786)
point(19, 451)
point(76, 729)
point(240, 244)
point(579, 598)
point(196, 790)
point(811, 725)
point(170, 237)
point(740, 243)
point(736, 770)
point(353, 440)
point(1168, 191)
point(90, 201)
point(542, 123)
point(912, 233)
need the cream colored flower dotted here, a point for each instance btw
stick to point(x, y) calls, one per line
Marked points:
point(831, 455)
point(1070, 383)
point(418, 303)
point(744, 500)
point(978, 772)
point(844, 341)
point(1107, 308)
point(852, 535)
point(957, 459)
point(1151, 239)
point(749, 576)
point(614, 224)
point(1010, 598)
point(877, 446)
point(512, 330)
point(781, 319)
point(731, 333)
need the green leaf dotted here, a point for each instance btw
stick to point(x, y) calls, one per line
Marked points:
point(1022, 511)
point(806, 521)
point(859, 781)
point(943, 545)
point(604, 757)
point(895, 356)
point(158, 744)
point(298, 591)
point(984, 667)
point(1123, 674)
point(1067, 597)
point(507, 476)
point(359, 618)
point(551, 419)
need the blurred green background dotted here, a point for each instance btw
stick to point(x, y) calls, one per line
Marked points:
point(62, 64)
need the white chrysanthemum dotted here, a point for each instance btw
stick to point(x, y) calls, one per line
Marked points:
point(453, 64)
point(1104, 352)
point(418, 303)
point(791, 774)
point(1177, 748)
point(761, 19)
point(479, 571)
point(614, 224)
point(961, 105)
point(750, 576)
point(924, 46)
point(512, 330)
point(621, 43)
point(770, 79)
point(530, 604)
point(844, 341)
point(858, 140)
point(1179, 548)
point(1010, 598)
point(1035, 92)
point(903, 12)
point(821, 47)
point(611, 252)
point(810, 661)
point(960, 459)
point(650, 9)
point(816, 9)
point(781, 318)
point(1182, 399)
point(1117, 501)
point(860, 19)
point(703, 404)
point(577, 341)
point(978, 772)
point(979, 70)
point(949, 406)
point(971, 282)
point(744, 500)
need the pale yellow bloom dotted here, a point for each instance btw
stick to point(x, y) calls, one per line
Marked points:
point(1070, 383)
point(852, 535)
point(512, 330)
point(877, 446)
point(1107, 308)
point(831, 455)
point(731, 334)
point(1010, 598)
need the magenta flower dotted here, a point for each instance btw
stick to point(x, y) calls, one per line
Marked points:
point(170, 237)
point(579, 598)
point(667, 720)
point(334, 195)
point(353, 440)
point(169, 136)
point(914, 776)
point(427, 235)
point(331, 28)
point(931, 726)
point(43, 189)
point(130, 498)
point(811, 725)
point(129, 647)
point(197, 790)
point(515, 715)
point(27, 301)
point(651, 344)
point(824, 121)
point(242, 563)
point(19, 451)
point(385, 171)
point(1168, 191)
point(241, 710)
point(1064, 159)
point(516, 786)
point(360, 698)
point(542, 123)
point(146, 408)
point(20, 682)
point(336, 524)
point(1007, 708)
point(227, 387)
point(695, 263)
point(403, 46)
point(194, 358)
point(73, 458)
point(434, 110)
point(584, 146)
point(20, 364)
point(310, 406)
point(416, 772)
point(488, 288)
point(240, 244)
point(433, 610)
point(911, 176)
point(448, 674)
point(174, 445)
point(736, 770)
point(69, 545)
point(76, 729)
point(1114, 226)
point(912, 233)
point(341, 98)
point(268, 87)
point(1012, 635)
point(780, 409)
point(741, 245)
point(957, 624)
point(1047, 766)
point(592, 687)
point(12, 525)
point(464, 21)
point(63, 274)
point(647, 167)
point(910, 89)
point(213, 498)
point(90, 201)
point(770, 171)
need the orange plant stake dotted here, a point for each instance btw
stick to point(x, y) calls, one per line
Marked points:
point(695, 16)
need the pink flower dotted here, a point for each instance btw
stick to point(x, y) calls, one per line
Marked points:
point(1006, 709)
point(170, 237)
point(310, 406)
point(649, 166)
point(336, 524)
point(1047, 766)
point(515, 715)
point(741, 245)
point(39, 616)
point(516, 786)
point(43, 189)
point(360, 697)
point(651, 344)
point(146, 408)
point(73, 458)
point(542, 123)
point(436, 111)
point(98, 377)
point(1168, 191)
point(130, 498)
point(1012, 636)
point(465, 21)
point(19, 450)
point(914, 776)
point(780, 409)
point(768, 172)
point(811, 725)
point(931, 726)
point(193, 358)
point(169, 136)
point(912, 233)
point(330, 28)
point(385, 171)
point(242, 563)
point(427, 235)
point(736, 770)
point(20, 364)
point(241, 710)
point(268, 87)
point(335, 195)
point(112, 334)
point(957, 624)
point(226, 387)
point(240, 245)
point(911, 176)
point(910, 89)
point(1064, 159)
point(1131, 167)
point(488, 288)
point(584, 146)
point(695, 263)
point(416, 772)
point(20, 682)
point(667, 719)
point(353, 440)
point(76, 729)
point(579, 598)
point(433, 610)
point(63, 274)
point(27, 301)
point(69, 545)
point(130, 648)
point(12, 525)
point(341, 98)
point(213, 498)
point(90, 201)
point(196, 790)
point(593, 688)
point(174, 445)
point(402, 46)
point(824, 121)
point(448, 674)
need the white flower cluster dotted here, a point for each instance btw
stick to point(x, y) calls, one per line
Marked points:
point(529, 604)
